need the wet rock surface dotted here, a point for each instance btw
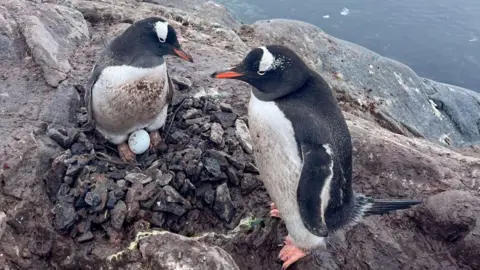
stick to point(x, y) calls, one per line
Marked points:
point(70, 203)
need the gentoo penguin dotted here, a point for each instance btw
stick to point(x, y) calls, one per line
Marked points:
point(303, 149)
point(129, 87)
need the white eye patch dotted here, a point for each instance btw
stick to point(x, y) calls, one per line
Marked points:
point(162, 30)
point(268, 61)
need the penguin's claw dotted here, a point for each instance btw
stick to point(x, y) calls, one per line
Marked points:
point(125, 153)
point(289, 254)
point(274, 212)
point(155, 140)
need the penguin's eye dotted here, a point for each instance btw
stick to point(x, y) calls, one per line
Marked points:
point(261, 73)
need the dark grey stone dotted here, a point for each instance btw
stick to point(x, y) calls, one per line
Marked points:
point(223, 205)
point(225, 119)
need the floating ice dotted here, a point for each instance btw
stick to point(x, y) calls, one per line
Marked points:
point(473, 39)
point(326, 16)
point(345, 11)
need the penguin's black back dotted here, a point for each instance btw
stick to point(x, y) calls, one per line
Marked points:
point(317, 119)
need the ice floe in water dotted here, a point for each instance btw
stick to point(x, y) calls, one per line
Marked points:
point(473, 39)
point(326, 16)
point(345, 11)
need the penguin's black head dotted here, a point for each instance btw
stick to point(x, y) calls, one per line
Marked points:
point(156, 35)
point(274, 71)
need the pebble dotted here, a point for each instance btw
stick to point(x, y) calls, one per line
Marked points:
point(65, 215)
point(117, 174)
point(132, 211)
point(156, 164)
point(137, 178)
point(99, 193)
point(88, 236)
point(216, 133)
point(182, 83)
point(54, 176)
point(133, 206)
point(250, 168)
point(206, 127)
point(79, 148)
point(147, 204)
point(232, 176)
point(178, 98)
point(225, 107)
point(180, 137)
point(221, 157)
point(63, 137)
point(223, 205)
point(156, 219)
point(147, 192)
point(172, 196)
point(112, 200)
point(82, 118)
point(191, 114)
point(188, 103)
point(225, 119)
point(25, 253)
point(164, 179)
point(76, 164)
point(179, 180)
point(154, 173)
point(118, 215)
point(82, 144)
point(243, 135)
point(212, 166)
point(93, 199)
point(248, 183)
point(3, 223)
point(121, 183)
point(211, 106)
point(187, 186)
point(198, 121)
point(175, 209)
point(63, 191)
point(209, 197)
point(68, 180)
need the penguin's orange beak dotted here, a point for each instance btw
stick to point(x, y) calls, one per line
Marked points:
point(182, 54)
point(227, 74)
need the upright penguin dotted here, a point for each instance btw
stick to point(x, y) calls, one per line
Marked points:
point(129, 87)
point(303, 149)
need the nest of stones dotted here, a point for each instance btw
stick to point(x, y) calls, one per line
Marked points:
point(203, 173)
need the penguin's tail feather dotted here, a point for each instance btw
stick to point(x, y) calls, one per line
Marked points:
point(383, 206)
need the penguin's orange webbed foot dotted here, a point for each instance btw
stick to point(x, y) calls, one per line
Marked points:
point(125, 153)
point(289, 254)
point(274, 212)
point(155, 140)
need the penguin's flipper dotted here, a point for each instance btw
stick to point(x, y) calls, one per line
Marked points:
point(94, 74)
point(313, 192)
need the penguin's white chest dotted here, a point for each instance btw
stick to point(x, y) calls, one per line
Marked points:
point(277, 157)
point(126, 98)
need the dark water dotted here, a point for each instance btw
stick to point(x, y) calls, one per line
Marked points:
point(439, 39)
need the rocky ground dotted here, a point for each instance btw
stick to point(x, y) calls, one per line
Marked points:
point(67, 202)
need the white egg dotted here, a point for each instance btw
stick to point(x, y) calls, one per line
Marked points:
point(139, 141)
